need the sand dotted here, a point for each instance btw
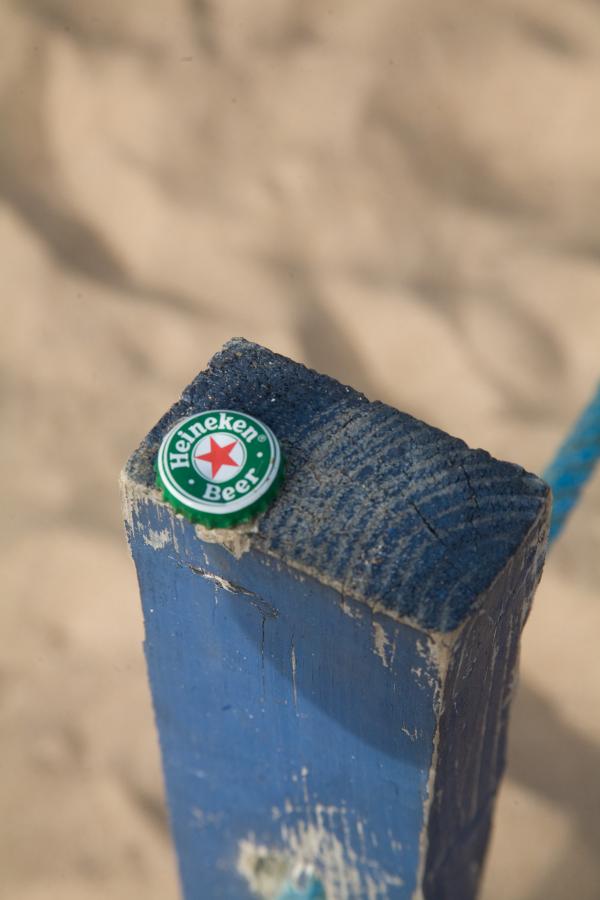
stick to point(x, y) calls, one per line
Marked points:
point(403, 195)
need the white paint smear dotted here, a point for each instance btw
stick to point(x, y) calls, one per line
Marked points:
point(157, 539)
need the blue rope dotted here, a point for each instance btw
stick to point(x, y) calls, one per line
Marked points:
point(573, 464)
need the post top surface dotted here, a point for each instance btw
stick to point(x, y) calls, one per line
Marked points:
point(387, 509)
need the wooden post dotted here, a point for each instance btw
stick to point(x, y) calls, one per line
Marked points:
point(331, 682)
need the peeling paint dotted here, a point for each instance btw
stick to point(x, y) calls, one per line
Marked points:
point(436, 650)
point(127, 492)
point(351, 608)
point(236, 540)
point(424, 836)
point(302, 885)
point(319, 844)
point(157, 539)
point(266, 609)
point(363, 562)
point(293, 665)
point(411, 735)
point(380, 642)
point(264, 870)
point(313, 849)
point(337, 865)
point(133, 497)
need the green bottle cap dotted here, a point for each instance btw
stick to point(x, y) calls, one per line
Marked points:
point(219, 467)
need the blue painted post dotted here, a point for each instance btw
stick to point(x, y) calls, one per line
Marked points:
point(331, 682)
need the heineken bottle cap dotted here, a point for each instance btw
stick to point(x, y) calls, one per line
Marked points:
point(219, 467)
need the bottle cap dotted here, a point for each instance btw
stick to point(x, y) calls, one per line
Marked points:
point(219, 467)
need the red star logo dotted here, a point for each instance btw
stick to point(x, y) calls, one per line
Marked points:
point(219, 456)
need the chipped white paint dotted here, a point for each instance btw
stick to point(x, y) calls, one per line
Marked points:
point(293, 664)
point(322, 838)
point(134, 496)
point(236, 540)
point(268, 872)
point(157, 539)
point(344, 873)
point(305, 794)
point(126, 489)
point(394, 844)
point(380, 643)
point(264, 869)
point(411, 735)
point(301, 876)
point(424, 836)
point(436, 650)
point(218, 580)
point(351, 608)
point(322, 842)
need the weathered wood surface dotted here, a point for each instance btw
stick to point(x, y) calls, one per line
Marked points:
point(331, 683)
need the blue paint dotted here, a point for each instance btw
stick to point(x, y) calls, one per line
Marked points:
point(573, 464)
point(368, 486)
point(296, 718)
point(473, 728)
point(312, 891)
point(275, 714)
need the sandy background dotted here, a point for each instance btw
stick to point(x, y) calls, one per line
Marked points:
point(405, 195)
